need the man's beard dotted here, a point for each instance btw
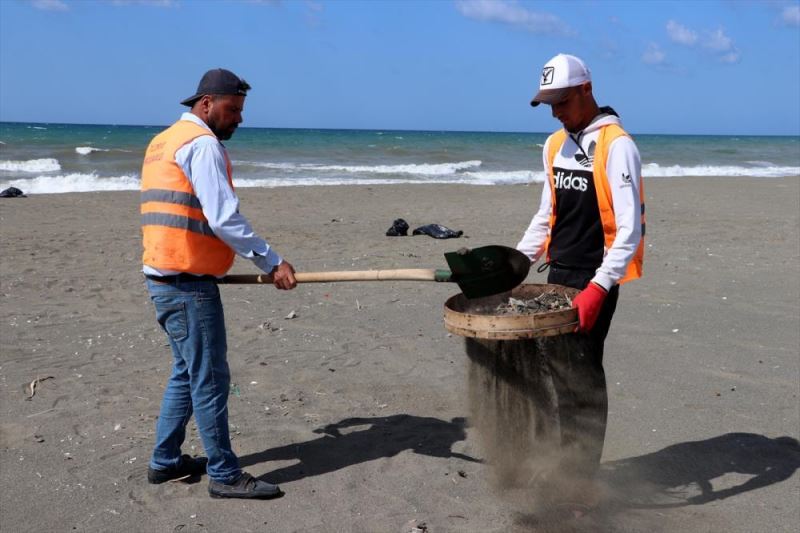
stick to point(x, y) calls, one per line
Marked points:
point(224, 135)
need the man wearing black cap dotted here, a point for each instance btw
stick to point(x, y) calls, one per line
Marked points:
point(192, 229)
point(590, 226)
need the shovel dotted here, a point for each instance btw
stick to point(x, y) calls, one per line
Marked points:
point(478, 272)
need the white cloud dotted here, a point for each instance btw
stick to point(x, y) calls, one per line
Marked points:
point(61, 5)
point(50, 5)
point(154, 3)
point(653, 55)
point(722, 45)
point(791, 15)
point(717, 41)
point(731, 57)
point(681, 34)
point(511, 13)
point(314, 13)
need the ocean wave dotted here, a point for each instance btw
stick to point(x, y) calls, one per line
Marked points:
point(87, 182)
point(73, 183)
point(86, 150)
point(419, 169)
point(92, 182)
point(31, 165)
point(654, 170)
point(467, 178)
point(306, 182)
point(503, 177)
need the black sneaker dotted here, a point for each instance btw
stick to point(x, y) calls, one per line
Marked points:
point(188, 467)
point(245, 487)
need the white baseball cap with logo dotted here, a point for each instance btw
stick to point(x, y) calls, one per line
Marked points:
point(559, 75)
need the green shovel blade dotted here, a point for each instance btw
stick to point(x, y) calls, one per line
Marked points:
point(487, 270)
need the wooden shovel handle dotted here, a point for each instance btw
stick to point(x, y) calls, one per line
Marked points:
point(409, 274)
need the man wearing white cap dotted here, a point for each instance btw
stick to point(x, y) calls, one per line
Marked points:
point(590, 226)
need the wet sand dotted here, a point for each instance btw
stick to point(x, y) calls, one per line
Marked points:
point(358, 406)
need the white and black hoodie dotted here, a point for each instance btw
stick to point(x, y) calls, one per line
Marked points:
point(577, 239)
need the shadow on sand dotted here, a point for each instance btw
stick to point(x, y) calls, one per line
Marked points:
point(357, 440)
point(682, 474)
point(685, 474)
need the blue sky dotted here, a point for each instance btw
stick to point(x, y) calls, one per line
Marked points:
point(714, 67)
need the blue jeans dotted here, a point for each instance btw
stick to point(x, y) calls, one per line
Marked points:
point(190, 312)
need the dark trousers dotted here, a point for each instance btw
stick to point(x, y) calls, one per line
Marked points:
point(580, 381)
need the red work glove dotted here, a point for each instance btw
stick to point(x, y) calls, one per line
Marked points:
point(588, 303)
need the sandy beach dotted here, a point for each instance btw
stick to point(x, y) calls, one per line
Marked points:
point(357, 406)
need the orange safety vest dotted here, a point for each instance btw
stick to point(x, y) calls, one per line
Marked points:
point(604, 200)
point(176, 235)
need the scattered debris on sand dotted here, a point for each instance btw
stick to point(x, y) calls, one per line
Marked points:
point(33, 384)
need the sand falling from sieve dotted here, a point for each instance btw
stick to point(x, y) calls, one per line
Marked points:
point(536, 409)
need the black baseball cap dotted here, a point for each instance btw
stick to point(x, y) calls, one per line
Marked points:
point(218, 81)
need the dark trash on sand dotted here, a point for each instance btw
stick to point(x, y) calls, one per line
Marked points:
point(399, 228)
point(12, 192)
point(437, 231)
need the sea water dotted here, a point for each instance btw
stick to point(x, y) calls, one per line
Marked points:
point(56, 158)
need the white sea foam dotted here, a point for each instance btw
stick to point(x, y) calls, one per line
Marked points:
point(654, 170)
point(304, 182)
point(73, 183)
point(31, 165)
point(86, 150)
point(466, 178)
point(503, 177)
point(83, 182)
point(418, 169)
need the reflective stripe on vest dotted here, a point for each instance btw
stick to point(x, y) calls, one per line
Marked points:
point(605, 201)
point(176, 221)
point(176, 235)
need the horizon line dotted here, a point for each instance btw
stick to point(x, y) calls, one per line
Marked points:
point(399, 130)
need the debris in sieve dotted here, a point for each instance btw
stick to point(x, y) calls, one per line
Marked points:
point(545, 302)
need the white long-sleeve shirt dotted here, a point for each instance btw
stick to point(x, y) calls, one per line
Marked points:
point(623, 168)
point(204, 161)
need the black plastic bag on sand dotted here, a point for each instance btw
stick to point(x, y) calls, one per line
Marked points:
point(437, 231)
point(399, 228)
point(12, 192)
